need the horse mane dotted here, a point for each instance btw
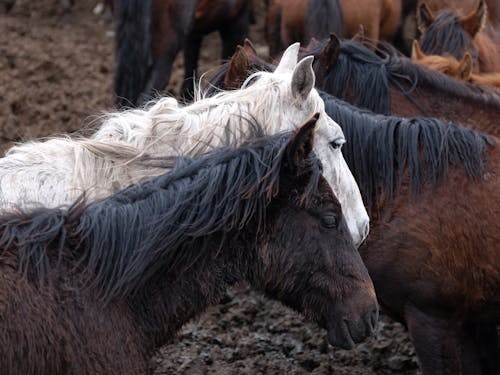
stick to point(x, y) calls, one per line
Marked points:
point(163, 223)
point(324, 17)
point(382, 150)
point(447, 32)
point(367, 76)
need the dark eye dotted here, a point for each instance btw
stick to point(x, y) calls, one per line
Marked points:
point(336, 144)
point(329, 220)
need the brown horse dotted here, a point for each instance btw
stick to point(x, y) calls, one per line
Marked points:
point(96, 289)
point(290, 21)
point(387, 83)
point(299, 21)
point(448, 32)
point(432, 251)
point(448, 65)
point(150, 33)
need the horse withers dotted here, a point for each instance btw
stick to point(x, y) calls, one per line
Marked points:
point(97, 288)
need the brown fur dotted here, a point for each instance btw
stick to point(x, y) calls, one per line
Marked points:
point(481, 26)
point(457, 69)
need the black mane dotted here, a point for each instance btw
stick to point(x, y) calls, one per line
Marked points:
point(368, 77)
point(381, 150)
point(446, 34)
point(123, 241)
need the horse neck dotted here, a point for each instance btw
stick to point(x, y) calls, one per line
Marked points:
point(171, 300)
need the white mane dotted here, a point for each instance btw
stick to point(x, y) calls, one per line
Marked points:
point(56, 172)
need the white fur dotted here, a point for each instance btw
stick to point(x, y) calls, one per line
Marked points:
point(59, 170)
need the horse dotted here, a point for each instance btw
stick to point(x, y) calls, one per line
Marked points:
point(57, 171)
point(150, 33)
point(97, 288)
point(299, 21)
point(292, 21)
point(447, 32)
point(387, 83)
point(382, 82)
point(447, 64)
point(432, 249)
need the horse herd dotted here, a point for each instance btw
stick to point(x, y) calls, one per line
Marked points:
point(345, 177)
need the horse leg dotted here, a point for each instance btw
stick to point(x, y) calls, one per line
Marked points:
point(191, 56)
point(442, 346)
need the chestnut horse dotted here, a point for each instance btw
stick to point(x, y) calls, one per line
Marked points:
point(296, 20)
point(432, 251)
point(290, 21)
point(447, 64)
point(448, 32)
point(96, 289)
point(150, 33)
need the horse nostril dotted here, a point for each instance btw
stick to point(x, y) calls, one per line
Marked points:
point(366, 230)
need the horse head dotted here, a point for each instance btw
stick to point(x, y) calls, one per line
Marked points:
point(309, 261)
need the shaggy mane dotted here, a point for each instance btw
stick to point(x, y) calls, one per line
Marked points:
point(381, 150)
point(122, 241)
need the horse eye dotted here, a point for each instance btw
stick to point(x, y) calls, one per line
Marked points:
point(329, 220)
point(336, 144)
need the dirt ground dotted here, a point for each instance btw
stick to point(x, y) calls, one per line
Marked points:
point(56, 73)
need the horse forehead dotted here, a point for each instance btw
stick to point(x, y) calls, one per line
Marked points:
point(328, 129)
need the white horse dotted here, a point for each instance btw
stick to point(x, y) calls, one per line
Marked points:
point(56, 172)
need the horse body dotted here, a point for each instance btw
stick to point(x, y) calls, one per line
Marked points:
point(293, 21)
point(97, 288)
point(433, 248)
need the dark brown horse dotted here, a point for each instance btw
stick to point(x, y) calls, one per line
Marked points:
point(433, 250)
point(455, 34)
point(433, 247)
point(95, 289)
point(387, 83)
point(150, 33)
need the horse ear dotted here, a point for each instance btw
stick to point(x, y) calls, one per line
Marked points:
point(249, 48)
point(303, 78)
point(330, 54)
point(475, 20)
point(238, 69)
point(465, 67)
point(289, 59)
point(424, 17)
point(300, 146)
point(360, 34)
point(416, 52)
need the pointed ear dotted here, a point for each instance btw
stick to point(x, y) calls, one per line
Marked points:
point(303, 78)
point(330, 54)
point(249, 48)
point(424, 17)
point(416, 52)
point(475, 20)
point(238, 69)
point(360, 34)
point(300, 146)
point(289, 59)
point(465, 67)
point(313, 43)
